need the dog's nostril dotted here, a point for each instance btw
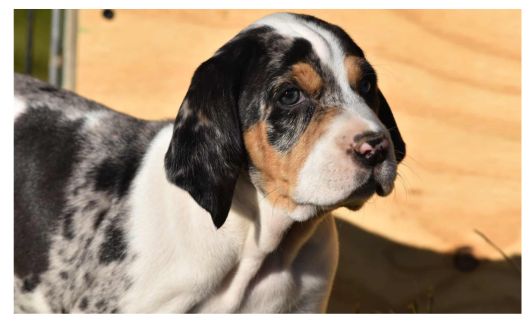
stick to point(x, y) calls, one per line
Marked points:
point(371, 148)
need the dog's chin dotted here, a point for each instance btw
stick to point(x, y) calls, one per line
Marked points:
point(375, 184)
point(360, 195)
point(354, 206)
point(379, 180)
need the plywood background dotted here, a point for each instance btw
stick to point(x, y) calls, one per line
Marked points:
point(453, 80)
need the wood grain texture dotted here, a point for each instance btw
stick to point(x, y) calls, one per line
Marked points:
point(453, 80)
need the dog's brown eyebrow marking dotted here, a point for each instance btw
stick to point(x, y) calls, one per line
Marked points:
point(306, 76)
point(357, 68)
point(353, 69)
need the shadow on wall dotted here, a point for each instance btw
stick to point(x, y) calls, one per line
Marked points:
point(377, 275)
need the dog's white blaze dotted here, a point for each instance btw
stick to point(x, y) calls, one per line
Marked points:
point(288, 25)
point(20, 107)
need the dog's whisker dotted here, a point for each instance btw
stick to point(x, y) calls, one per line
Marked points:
point(403, 184)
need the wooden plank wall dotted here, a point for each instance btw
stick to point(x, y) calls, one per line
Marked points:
point(453, 79)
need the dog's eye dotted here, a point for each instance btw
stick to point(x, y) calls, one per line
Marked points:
point(365, 86)
point(290, 97)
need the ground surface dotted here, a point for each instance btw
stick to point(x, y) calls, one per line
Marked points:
point(453, 80)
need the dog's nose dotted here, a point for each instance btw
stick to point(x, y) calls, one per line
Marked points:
point(371, 148)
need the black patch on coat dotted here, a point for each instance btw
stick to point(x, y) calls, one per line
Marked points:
point(63, 275)
point(46, 149)
point(88, 278)
point(300, 50)
point(116, 175)
point(30, 283)
point(99, 218)
point(113, 247)
point(125, 150)
point(206, 160)
point(68, 227)
point(287, 124)
point(89, 206)
point(83, 304)
point(48, 88)
point(101, 305)
point(105, 175)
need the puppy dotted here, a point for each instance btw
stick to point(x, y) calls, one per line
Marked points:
point(224, 210)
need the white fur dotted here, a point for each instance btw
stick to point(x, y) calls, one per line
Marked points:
point(20, 107)
point(32, 302)
point(183, 263)
point(329, 175)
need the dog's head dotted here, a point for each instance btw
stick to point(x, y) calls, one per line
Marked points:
point(293, 101)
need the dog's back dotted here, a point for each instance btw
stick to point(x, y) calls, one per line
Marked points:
point(74, 163)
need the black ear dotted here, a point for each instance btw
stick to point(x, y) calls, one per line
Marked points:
point(385, 115)
point(206, 153)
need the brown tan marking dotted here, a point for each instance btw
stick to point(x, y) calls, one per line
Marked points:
point(307, 78)
point(279, 172)
point(355, 74)
point(353, 69)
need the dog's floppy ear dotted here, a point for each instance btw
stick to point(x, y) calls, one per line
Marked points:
point(385, 115)
point(206, 152)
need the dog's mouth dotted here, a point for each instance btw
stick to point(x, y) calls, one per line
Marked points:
point(378, 182)
point(369, 181)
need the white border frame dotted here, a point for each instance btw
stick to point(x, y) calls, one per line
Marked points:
point(6, 140)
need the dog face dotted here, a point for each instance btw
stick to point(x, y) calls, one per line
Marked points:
point(293, 101)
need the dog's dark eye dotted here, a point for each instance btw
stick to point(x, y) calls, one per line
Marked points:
point(290, 97)
point(364, 86)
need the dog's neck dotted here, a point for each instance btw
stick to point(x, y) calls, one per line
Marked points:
point(273, 231)
point(271, 221)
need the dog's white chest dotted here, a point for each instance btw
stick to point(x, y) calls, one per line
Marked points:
point(184, 264)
